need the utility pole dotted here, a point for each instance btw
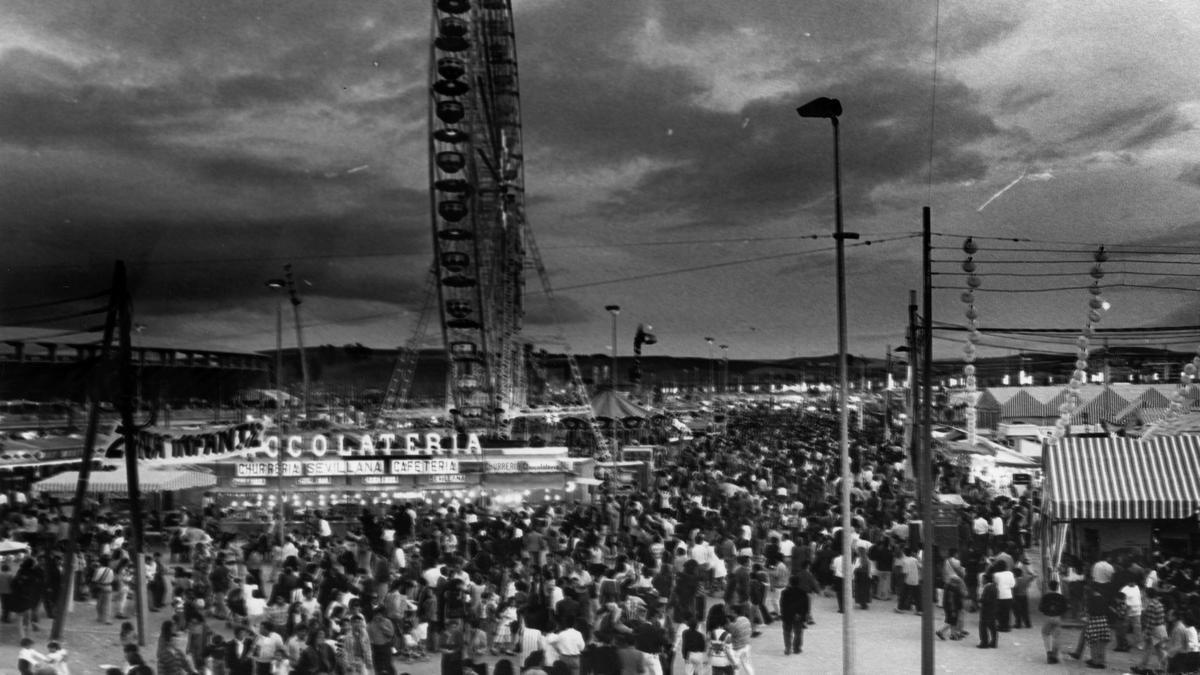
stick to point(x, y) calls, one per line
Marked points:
point(887, 396)
point(925, 468)
point(99, 370)
point(125, 400)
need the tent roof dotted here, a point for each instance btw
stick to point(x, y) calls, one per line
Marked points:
point(611, 405)
point(1122, 478)
point(150, 480)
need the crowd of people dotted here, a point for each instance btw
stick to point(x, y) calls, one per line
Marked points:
point(737, 532)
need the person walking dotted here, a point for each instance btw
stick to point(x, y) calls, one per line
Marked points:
point(910, 572)
point(692, 648)
point(989, 606)
point(883, 559)
point(1052, 606)
point(1154, 634)
point(1096, 632)
point(382, 633)
point(740, 630)
point(793, 613)
point(1005, 581)
point(720, 650)
point(952, 604)
point(1020, 597)
point(103, 583)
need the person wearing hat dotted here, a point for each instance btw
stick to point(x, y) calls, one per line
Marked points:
point(382, 633)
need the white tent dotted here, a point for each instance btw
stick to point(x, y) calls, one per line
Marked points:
point(149, 480)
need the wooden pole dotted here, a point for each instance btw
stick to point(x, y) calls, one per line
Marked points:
point(128, 387)
point(95, 391)
point(925, 468)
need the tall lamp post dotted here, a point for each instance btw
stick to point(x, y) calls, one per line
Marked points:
point(725, 367)
point(614, 310)
point(279, 284)
point(830, 109)
point(712, 382)
point(289, 282)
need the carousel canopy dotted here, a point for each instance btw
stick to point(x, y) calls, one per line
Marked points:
point(150, 480)
point(1122, 478)
point(611, 405)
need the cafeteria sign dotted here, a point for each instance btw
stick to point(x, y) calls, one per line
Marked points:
point(379, 466)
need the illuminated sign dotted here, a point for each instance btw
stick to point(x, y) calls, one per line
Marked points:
point(250, 440)
point(379, 466)
point(523, 465)
point(175, 446)
point(346, 445)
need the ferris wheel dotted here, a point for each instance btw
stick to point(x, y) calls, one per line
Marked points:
point(477, 194)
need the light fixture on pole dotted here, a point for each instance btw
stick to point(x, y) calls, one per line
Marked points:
point(725, 364)
point(614, 310)
point(712, 386)
point(288, 282)
point(831, 109)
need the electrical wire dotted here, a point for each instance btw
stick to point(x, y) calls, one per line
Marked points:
point(728, 263)
point(51, 303)
point(1007, 275)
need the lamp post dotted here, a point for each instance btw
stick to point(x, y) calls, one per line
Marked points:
point(614, 310)
point(830, 109)
point(725, 367)
point(712, 386)
point(280, 284)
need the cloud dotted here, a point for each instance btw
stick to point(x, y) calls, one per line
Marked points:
point(1190, 175)
point(1163, 126)
point(1132, 125)
point(1020, 97)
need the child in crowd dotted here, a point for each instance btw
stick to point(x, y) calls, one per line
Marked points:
point(128, 634)
point(28, 658)
point(56, 656)
point(415, 635)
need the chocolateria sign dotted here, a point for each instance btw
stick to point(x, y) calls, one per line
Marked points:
point(252, 440)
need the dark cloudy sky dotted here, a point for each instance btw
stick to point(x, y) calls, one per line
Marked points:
point(209, 143)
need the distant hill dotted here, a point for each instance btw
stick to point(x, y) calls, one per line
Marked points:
point(356, 372)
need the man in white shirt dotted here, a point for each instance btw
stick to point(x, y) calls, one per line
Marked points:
point(267, 644)
point(1005, 581)
point(980, 527)
point(569, 644)
point(996, 532)
point(1133, 612)
point(289, 550)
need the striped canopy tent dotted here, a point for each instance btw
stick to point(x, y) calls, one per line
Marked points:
point(1013, 403)
point(1095, 404)
point(1122, 478)
point(149, 480)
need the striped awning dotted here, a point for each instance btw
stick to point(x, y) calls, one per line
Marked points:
point(151, 480)
point(1122, 478)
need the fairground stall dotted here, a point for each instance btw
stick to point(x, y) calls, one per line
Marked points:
point(1120, 494)
point(249, 468)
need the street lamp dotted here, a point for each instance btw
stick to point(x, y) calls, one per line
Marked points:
point(288, 282)
point(614, 310)
point(725, 363)
point(830, 109)
point(712, 386)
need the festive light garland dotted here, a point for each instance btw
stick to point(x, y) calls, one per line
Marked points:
point(1096, 307)
point(1179, 401)
point(973, 336)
